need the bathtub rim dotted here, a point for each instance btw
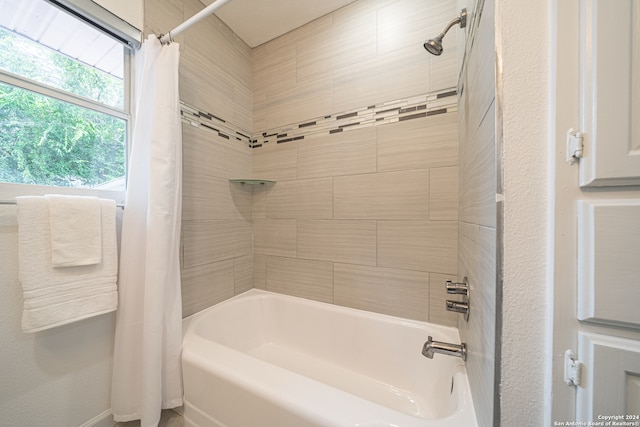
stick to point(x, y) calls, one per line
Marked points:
point(261, 293)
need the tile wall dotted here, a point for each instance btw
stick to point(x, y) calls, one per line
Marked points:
point(357, 123)
point(365, 53)
point(358, 126)
point(478, 177)
point(216, 86)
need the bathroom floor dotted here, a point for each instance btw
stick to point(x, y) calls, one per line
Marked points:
point(169, 418)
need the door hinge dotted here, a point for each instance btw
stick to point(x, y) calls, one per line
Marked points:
point(575, 146)
point(572, 369)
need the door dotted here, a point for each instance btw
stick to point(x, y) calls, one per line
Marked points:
point(596, 283)
point(610, 101)
point(610, 385)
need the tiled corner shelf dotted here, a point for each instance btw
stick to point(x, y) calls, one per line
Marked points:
point(251, 181)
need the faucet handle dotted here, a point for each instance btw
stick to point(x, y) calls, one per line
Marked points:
point(459, 289)
point(458, 307)
point(454, 288)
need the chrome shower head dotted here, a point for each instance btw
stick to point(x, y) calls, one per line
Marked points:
point(434, 45)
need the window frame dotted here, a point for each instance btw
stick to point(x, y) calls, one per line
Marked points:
point(124, 114)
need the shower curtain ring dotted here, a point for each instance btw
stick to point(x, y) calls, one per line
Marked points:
point(166, 38)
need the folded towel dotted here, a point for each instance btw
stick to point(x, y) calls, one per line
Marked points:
point(57, 296)
point(43, 314)
point(76, 231)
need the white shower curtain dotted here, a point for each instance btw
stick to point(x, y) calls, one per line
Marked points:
point(146, 366)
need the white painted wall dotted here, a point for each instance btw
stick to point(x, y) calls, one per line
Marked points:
point(130, 11)
point(523, 34)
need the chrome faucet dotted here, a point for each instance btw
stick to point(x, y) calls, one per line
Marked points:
point(431, 347)
point(459, 289)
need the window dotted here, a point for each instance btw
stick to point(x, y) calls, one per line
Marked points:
point(63, 104)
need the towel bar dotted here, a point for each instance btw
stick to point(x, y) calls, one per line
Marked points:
point(13, 202)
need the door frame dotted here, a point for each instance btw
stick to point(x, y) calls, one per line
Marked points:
point(565, 114)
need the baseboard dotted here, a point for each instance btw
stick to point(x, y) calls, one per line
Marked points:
point(104, 419)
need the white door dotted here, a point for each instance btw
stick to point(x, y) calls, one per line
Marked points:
point(610, 85)
point(596, 285)
point(610, 384)
point(610, 68)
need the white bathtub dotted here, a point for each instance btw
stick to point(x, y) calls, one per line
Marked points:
point(263, 359)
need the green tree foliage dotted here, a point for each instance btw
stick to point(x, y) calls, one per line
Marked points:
point(47, 141)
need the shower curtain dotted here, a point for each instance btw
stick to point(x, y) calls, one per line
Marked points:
point(146, 365)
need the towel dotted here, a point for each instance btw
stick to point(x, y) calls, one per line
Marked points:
point(76, 231)
point(55, 296)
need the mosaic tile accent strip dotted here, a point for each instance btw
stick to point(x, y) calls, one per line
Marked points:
point(417, 107)
point(224, 129)
point(440, 102)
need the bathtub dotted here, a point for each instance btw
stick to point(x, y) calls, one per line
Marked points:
point(262, 359)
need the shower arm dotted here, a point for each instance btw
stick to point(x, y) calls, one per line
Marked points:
point(449, 25)
point(462, 20)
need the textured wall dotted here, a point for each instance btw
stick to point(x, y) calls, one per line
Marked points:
point(358, 126)
point(524, 89)
point(477, 225)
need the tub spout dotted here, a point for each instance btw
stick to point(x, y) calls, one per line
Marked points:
point(431, 347)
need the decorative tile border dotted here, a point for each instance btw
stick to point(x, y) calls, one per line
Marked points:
point(388, 112)
point(417, 107)
point(225, 129)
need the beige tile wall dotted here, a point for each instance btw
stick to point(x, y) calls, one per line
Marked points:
point(215, 77)
point(365, 218)
point(380, 240)
point(365, 53)
point(217, 219)
point(478, 177)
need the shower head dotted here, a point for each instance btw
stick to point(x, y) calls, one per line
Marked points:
point(434, 45)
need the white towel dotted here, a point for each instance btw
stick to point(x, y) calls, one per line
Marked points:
point(76, 230)
point(57, 296)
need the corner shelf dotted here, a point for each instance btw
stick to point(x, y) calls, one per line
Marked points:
point(251, 181)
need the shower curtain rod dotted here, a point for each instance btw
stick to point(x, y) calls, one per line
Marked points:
point(168, 37)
